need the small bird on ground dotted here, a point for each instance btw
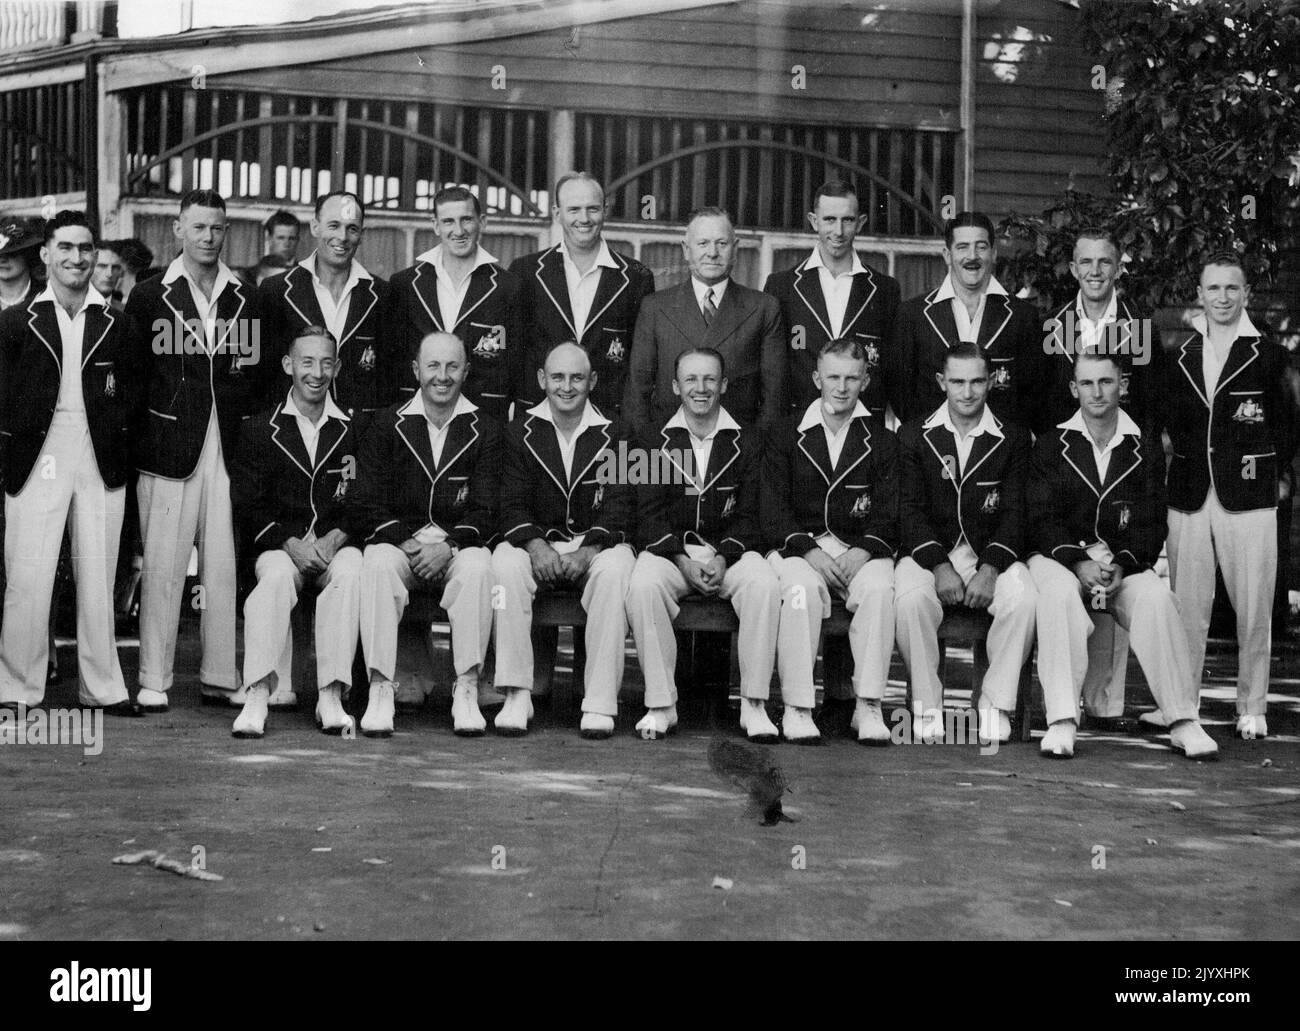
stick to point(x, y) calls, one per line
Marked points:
point(749, 769)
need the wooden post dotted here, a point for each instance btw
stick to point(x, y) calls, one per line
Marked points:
point(561, 148)
point(91, 138)
point(111, 144)
point(966, 164)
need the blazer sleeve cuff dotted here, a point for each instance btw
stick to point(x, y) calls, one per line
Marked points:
point(271, 537)
point(466, 536)
point(667, 546)
point(876, 547)
point(1129, 562)
point(1069, 554)
point(391, 532)
point(797, 545)
point(929, 555)
point(731, 549)
point(999, 556)
point(522, 534)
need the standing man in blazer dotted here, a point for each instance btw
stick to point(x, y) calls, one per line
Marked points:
point(962, 524)
point(459, 288)
point(289, 487)
point(196, 352)
point(970, 304)
point(66, 405)
point(1097, 497)
point(581, 291)
point(708, 310)
point(830, 295)
point(1229, 404)
point(331, 289)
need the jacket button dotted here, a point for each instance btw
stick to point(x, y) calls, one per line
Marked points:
point(1083, 544)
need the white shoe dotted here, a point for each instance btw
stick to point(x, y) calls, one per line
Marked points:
point(656, 723)
point(512, 720)
point(251, 721)
point(596, 726)
point(152, 701)
point(330, 716)
point(1058, 742)
point(995, 725)
point(797, 726)
point(466, 719)
point(378, 718)
point(283, 697)
point(1190, 738)
point(869, 722)
point(755, 723)
point(1251, 727)
point(927, 727)
point(1153, 719)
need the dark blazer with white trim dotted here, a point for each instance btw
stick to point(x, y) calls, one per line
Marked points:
point(1010, 331)
point(490, 324)
point(400, 490)
point(370, 363)
point(803, 497)
point(986, 504)
point(607, 336)
point(278, 492)
point(31, 369)
point(537, 500)
point(869, 319)
point(1240, 439)
point(722, 513)
point(1073, 510)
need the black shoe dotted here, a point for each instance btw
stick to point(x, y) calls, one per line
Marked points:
point(1111, 725)
point(128, 708)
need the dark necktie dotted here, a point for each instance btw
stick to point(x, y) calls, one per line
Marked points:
point(710, 309)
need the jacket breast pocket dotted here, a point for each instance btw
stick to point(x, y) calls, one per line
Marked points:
point(862, 501)
point(1246, 407)
point(870, 348)
point(613, 343)
point(988, 496)
point(460, 484)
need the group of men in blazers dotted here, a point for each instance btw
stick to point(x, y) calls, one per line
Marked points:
point(388, 466)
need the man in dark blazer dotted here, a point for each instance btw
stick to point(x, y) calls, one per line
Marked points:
point(1097, 500)
point(196, 353)
point(708, 310)
point(833, 294)
point(1228, 399)
point(289, 487)
point(829, 503)
point(970, 304)
point(698, 524)
point(426, 509)
point(457, 287)
point(66, 406)
point(962, 525)
point(582, 291)
point(566, 510)
point(331, 289)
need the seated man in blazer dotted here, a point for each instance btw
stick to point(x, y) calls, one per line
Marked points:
point(288, 489)
point(708, 310)
point(830, 501)
point(427, 501)
point(1098, 501)
point(962, 522)
point(565, 510)
point(701, 535)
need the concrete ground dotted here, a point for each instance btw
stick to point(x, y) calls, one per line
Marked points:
point(430, 836)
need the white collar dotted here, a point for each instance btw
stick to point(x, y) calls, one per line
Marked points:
point(987, 424)
point(332, 411)
point(1245, 328)
point(434, 257)
point(678, 422)
point(1112, 309)
point(812, 416)
point(603, 258)
point(177, 270)
point(93, 296)
point(415, 406)
point(947, 293)
point(1126, 427)
point(701, 288)
point(815, 261)
point(590, 416)
point(355, 272)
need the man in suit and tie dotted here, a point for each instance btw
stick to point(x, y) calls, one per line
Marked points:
point(582, 291)
point(962, 524)
point(457, 287)
point(566, 510)
point(289, 486)
point(195, 347)
point(1098, 502)
point(1228, 401)
point(830, 502)
point(65, 411)
point(701, 535)
point(330, 288)
point(427, 505)
point(832, 294)
point(970, 304)
point(708, 310)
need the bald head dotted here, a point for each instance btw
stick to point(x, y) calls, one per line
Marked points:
point(441, 366)
point(567, 378)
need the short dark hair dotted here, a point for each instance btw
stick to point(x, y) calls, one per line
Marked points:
point(703, 352)
point(1226, 259)
point(320, 203)
point(283, 218)
point(109, 245)
point(1096, 354)
point(135, 255)
point(843, 346)
point(569, 177)
point(710, 211)
point(314, 331)
point(63, 219)
point(967, 220)
point(206, 199)
point(966, 349)
point(1098, 233)
point(452, 194)
point(834, 188)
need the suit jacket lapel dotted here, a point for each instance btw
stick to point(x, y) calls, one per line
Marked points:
point(414, 431)
point(686, 314)
point(228, 308)
point(731, 313)
point(1240, 356)
point(364, 298)
point(300, 295)
point(461, 434)
point(808, 285)
point(857, 445)
point(612, 283)
point(1077, 450)
point(99, 320)
point(981, 447)
point(1190, 360)
point(177, 297)
point(944, 446)
point(591, 442)
point(942, 321)
point(45, 324)
point(1123, 460)
point(550, 277)
point(425, 285)
point(812, 442)
point(860, 295)
point(997, 313)
point(482, 284)
point(725, 450)
point(285, 436)
point(331, 434)
point(539, 436)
